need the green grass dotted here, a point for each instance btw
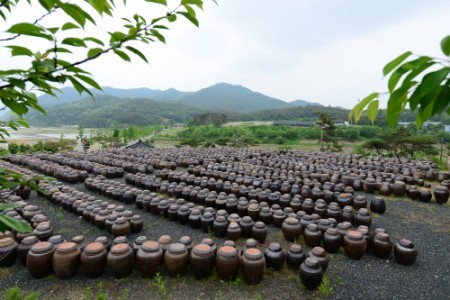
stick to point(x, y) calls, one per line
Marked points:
point(15, 294)
point(325, 289)
point(160, 283)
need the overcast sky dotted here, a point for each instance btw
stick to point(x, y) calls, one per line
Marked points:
point(324, 51)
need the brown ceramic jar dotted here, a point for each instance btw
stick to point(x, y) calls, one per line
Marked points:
point(227, 263)
point(24, 247)
point(295, 256)
point(382, 245)
point(331, 240)
point(312, 235)
point(405, 252)
point(93, 259)
point(80, 241)
point(259, 232)
point(8, 252)
point(311, 273)
point(66, 260)
point(148, 258)
point(321, 255)
point(246, 224)
point(39, 259)
point(253, 266)
point(234, 231)
point(176, 259)
point(202, 260)
point(354, 244)
point(363, 217)
point(291, 229)
point(121, 227)
point(275, 256)
point(120, 260)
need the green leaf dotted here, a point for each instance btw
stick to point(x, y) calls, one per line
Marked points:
point(89, 81)
point(73, 11)
point(192, 19)
point(18, 225)
point(76, 42)
point(122, 55)
point(92, 39)
point(357, 110)
point(162, 2)
point(29, 29)
point(79, 86)
point(445, 45)
point(372, 110)
point(18, 50)
point(94, 52)
point(396, 103)
point(69, 25)
point(198, 3)
point(394, 63)
point(137, 52)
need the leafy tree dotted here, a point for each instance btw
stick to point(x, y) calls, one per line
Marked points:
point(61, 33)
point(377, 145)
point(419, 81)
point(327, 133)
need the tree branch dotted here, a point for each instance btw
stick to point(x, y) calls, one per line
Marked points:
point(34, 23)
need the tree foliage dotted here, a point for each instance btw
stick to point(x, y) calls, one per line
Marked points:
point(419, 81)
point(327, 138)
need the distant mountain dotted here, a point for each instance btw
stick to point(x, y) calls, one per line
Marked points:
point(231, 98)
point(304, 103)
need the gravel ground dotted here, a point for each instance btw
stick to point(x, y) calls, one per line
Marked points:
point(426, 224)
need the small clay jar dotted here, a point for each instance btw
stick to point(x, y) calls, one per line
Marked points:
point(354, 244)
point(109, 222)
point(311, 273)
point(93, 260)
point(183, 215)
point(399, 188)
point(360, 201)
point(291, 229)
point(321, 255)
point(324, 224)
point(25, 246)
point(56, 240)
point(187, 241)
point(363, 218)
point(210, 242)
point(381, 245)
point(136, 224)
point(253, 211)
point(275, 256)
point(202, 261)
point(80, 241)
point(295, 256)
point(253, 266)
point(265, 215)
point(312, 235)
point(176, 259)
point(246, 224)
point(121, 227)
point(331, 240)
point(425, 195)
point(104, 240)
point(347, 214)
point(100, 218)
point(138, 243)
point(405, 252)
point(43, 231)
point(227, 263)
point(234, 231)
point(120, 260)
point(207, 221)
point(220, 226)
point(378, 205)
point(259, 232)
point(66, 259)
point(334, 211)
point(195, 219)
point(342, 228)
point(39, 260)
point(165, 241)
point(8, 252)
point(441, 194)
point(148, 258)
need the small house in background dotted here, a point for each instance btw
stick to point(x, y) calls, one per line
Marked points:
point(447, 128)
point(139, 145)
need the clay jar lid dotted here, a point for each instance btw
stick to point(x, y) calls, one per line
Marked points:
point(363, 212)
point(259, 225)
point(319, 252)
point(332, 231)
point(56, 239)
point(177, 248)
point(120, 220)
point(120, 248)
point(66, 247)
point(112, 217)
point(208, 242)
point(120, 240)
point(43, 226)
point(406, 243)
point(42, 247)
point(253, 254)
point(227, 251)
point(94, 248)
point(233, 225)
point(29, 240)
point(275, 247)
point(344, 225)
point(292, 221)
point(5, 242)
point(165, 239)
point(140, 240)
point(202, 250)
point(103, 212)
point(150, 246)
point(78, 239)
point(382, 236)
point(246, 219)
point(296, 248)
point(102, 239)
point(185, 240)
point(229, 243)
point(354, 235)
point(312, 227)
point(251, 243)
point(312, 262)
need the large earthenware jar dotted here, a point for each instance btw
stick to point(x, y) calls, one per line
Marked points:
point(227, 263)
point(399, 188)
point(66, 260)
point(295, 256)
point(363, 217)
point(220, 226)
point(321, 255)
point(24, 247)
point(246, 224)
point(312, 235)
point(121, 227)
point(136, 223)
point(405, 252)
point(381, 245)
point(354, 244)
point(441, 194)
point(202, 260)
point(207, 221)
point(8, 252)
point(93, 259)
point(234, 231)
point(120, 260)
point(165, 241)
point(39, 259)
point(148, 258)
point(378, 205)
point(275, 256)
point(252, 266)
point(347, 214)
point(291, 229)
point(176, 259)
point(331, 240)
point(343, 227)
point(259, 232)
point(311, 273)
